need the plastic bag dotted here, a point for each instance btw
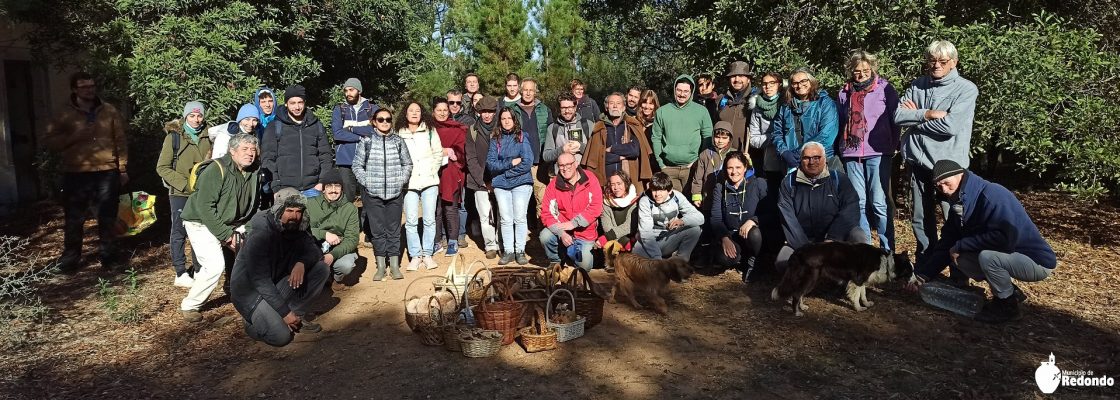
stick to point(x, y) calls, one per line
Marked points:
point(136, 211)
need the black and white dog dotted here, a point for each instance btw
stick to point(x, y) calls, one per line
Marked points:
point(857, 264)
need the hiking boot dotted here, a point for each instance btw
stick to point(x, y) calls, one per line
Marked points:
point(114, 264)
point(1000, 311)
point(337, 286)
point(506, 259)
point(491, 254)
point(452, 248)
point(522, 259)
point(66, 264)
point(747, 267)
point(191, 316)
point(184, 280)
point(381, 264)
point(413, 264)
point(310, 327)
point(1019, 296)
point(430, 263)
point(395, 267)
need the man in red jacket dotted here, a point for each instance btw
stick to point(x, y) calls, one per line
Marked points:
point(570, 211)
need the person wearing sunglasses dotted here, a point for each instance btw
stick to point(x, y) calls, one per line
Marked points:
point(383, 165)
point(936, 112)
point(350, 121)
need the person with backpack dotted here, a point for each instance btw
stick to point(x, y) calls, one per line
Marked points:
point(247, 121)
point(349, 123)
point(224, 198)
point(817, 204)
point(567, 135)
point(382, 165)
point(478, 179)
point(187, 143)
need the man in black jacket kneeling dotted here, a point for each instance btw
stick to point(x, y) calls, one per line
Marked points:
point(278, 272)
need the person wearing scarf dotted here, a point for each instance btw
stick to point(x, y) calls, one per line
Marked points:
point(765, 109)
point(808, 115)
point(866, 108)
point(174, 167)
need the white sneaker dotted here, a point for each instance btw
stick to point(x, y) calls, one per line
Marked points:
point(413, 264)
point(184, 280)
point(430, 263)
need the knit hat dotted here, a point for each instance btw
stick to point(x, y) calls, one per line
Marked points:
point(295, 91)
point(247, 111)
point(946, 168)
point(330, 176)
point(487, 103)
point(354, 83)
point(722, 126)
point(194, 107)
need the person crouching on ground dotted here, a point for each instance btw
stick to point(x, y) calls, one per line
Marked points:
point(667, 222)
point(572, 203)
point(734, 218)
point(279, 272)
point(334, 224)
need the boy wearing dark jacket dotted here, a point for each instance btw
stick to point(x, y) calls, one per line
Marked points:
point(295, 149)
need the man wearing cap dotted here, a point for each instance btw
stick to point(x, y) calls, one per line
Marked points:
point(187, 143)
point(988, 236)
point(735, 107)
point(215, 215)
point(572, 203)
point(680, 131)
point(478, 180)
point(278, 273)
point(247, 121)
point(88, 136)
point(334, 224)
point(817, 205)
point(350, 123)
point(295, 149)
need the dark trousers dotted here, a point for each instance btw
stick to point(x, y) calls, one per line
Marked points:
point(748, 247)
point(85, 192)
point(179, 238)
point(384, 220)
point(447, 220)
point(350, 186)
point(924, 215)
point(267, 325)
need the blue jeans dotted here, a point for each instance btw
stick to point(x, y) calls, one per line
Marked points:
point(413, 201)
point(864, 175)
point(553, 247)
point(512, 208)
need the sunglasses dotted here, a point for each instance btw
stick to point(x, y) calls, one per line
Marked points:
point(383, 120)
point(455, 103)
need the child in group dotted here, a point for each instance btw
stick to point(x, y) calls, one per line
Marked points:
point(706, 169)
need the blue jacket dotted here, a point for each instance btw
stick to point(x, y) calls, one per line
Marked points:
point(732, 207)
point(499, 162)
point(986, 216)
point(347, 138)
point(815, 211)
point(819, 123)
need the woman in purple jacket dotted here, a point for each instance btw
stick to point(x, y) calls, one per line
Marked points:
point(868, 138)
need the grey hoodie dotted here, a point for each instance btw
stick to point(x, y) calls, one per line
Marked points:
point(926, 142)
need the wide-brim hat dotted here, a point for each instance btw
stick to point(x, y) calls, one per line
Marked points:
point(739, 68)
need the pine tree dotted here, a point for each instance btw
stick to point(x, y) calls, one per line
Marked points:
point(493, 38)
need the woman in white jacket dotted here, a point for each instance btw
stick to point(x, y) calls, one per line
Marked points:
point(414, 125)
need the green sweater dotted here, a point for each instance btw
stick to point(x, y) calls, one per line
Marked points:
point(339, 218)
point(224, 197)
point(679, 133)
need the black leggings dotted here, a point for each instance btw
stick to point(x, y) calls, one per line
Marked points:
point(752, 244)
point(383, 217)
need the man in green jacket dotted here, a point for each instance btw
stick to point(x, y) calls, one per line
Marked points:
point(334, 223)
point(680, 131)
point(224, 200)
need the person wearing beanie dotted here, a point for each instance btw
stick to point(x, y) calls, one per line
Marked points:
point(186, 143)
point(295, 149)
point(247, 121)
point(350, 123)
point(680, 130)
point(279, 272)
point(334, 224)
point(988, 236)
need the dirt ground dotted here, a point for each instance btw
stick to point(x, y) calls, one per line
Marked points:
point(720, 340)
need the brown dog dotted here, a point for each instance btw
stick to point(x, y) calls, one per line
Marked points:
point(651, 276)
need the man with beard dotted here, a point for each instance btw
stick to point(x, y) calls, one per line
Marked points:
point(633, 97)
point(680, 130)
point(215, 215)
point(278, 273)
point(478, 180)
point(618, 143)
point(334, 224)
point(568, 134)
point(735, 107)
point(350, 123)
point(295, 149)
point(88, 137)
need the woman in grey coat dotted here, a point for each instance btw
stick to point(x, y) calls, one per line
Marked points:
point(382, 165)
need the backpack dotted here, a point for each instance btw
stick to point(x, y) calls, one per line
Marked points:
point(196, 171)
point(174, 155)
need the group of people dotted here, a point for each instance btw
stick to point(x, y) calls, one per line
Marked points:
point(752, 171)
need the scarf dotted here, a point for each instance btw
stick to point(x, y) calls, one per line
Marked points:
point(191, 132)
point(855, 131)
point(626, 200)
point(768, 106)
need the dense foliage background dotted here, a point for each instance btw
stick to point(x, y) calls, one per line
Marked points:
point(1047, 70)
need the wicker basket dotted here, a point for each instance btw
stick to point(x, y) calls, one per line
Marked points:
point(457, 277)
point(502, 316)
point(565, 331)
point(478, 343)
point(588, 302)
point(538, 336)
point(427, 324)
